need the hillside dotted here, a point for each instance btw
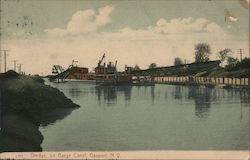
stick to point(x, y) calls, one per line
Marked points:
point(27, 103)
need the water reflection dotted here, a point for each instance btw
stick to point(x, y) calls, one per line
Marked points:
point(109, 93)
point(177, 94)
point(202, 100)
point(242, 94)
point(204, 96)
point(50, 117)
point(120, 127)
point(20, 131)
point(152, 91)
point(74, 92)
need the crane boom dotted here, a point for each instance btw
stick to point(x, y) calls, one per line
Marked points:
point(100, 61)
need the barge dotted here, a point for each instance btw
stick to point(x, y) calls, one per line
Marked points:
point(108, 74)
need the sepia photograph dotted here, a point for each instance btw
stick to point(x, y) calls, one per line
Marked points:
point(124, 79)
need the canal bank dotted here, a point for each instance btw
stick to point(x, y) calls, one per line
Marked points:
point(207, 81)
point(26, 103)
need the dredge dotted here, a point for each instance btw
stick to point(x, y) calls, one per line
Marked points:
point(108, 75)
point(73, 73)
point(103, 74)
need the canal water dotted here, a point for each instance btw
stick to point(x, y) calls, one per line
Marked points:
point(160, 117)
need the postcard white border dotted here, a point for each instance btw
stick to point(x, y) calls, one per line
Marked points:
point(167, 155)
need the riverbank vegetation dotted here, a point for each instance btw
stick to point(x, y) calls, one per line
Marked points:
point(226, 65)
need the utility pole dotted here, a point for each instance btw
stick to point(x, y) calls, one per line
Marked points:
point(20, 68)
point(14, 64)
point(5, 59)
point(5, 64)
point(0, 62)
point(240, 52)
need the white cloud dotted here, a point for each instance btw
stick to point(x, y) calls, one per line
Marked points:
point(213, 28)
point(82, 22)
point(86, 21)
point(159, 43)
point(103, 17)
point(190, 29)
point(185, 26)
point(56, 31)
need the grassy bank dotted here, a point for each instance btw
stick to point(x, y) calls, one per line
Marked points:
point(27, 103)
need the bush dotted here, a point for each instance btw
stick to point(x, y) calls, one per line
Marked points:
point(9, 74)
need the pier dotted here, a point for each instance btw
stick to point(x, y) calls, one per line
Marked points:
point(202, 80)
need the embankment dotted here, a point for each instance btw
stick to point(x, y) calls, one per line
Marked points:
point(207, 81)
point(27, 103)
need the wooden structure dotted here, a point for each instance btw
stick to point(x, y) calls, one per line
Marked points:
point(202, 80)
point(78, 73)
point(72, 73)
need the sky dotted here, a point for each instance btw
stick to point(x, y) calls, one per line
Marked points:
point(42, 33)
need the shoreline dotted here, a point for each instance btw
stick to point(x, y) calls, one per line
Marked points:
point(206, 85)
point(27, 103)
point(223, 82)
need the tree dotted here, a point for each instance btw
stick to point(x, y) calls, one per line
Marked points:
point(178, 61)
point(223, 54)
point(245, 63)
point(152, 65)
point(202, 52)
point(232, 62)
point(136, 67)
